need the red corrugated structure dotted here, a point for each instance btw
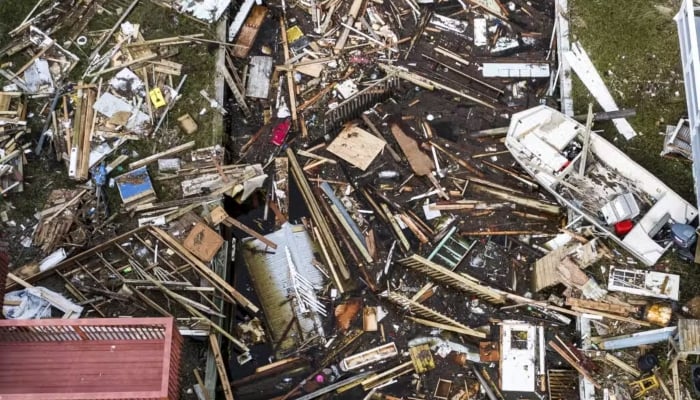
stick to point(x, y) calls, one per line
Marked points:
point(4, 268)
point(89, 359)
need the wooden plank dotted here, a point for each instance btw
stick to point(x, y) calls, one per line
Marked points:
point(228, 221)
point(234, 83)
point(200, 382)
point(249, 31)
point(421, 163)
point(612, 316)
point(357, 146)
point(584, 68)
point(621, 309)
point(166, 153)
point(622, 365)
point(220, 366)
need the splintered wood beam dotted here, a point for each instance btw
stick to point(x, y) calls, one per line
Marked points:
point(166, 153)
point(565, 355)
point(622, 309)
point(622, 365)
point(200, 382)
point(611, 316)
point(235, 84)
point(220, 366)
point(523, 201)
point(438, 325)
point(429, 313)
point(204, 270)
point(228, 221)
point(452, 279)
point(192, 310)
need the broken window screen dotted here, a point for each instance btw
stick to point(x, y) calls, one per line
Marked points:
point(518, 340)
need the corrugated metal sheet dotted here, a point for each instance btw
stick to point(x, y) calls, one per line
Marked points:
point(112, 358)
point(271, 278)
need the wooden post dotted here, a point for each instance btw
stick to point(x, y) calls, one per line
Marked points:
point(586, 140)
point(235, 223)
point(220, 366)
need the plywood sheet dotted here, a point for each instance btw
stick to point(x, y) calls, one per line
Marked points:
point(203, 242)
point(356, 146)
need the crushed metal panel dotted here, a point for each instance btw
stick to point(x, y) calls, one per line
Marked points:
point(259, 77)
point(449, 24)
point(515, 70)
point(518, 356)
point(644, 283)
point(561, 10)
point(480, 32)
point(271, 279)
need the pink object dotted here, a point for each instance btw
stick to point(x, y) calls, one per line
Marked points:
point(320, 378)
point(279, 132)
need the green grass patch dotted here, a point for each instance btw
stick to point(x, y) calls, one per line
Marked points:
point(635, 48)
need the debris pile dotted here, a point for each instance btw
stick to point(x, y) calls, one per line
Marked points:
point(396, 209)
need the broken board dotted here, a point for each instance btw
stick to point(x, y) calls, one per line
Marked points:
point(203, 242)
point(356, 146)
point(249, 31)
point(584, 68)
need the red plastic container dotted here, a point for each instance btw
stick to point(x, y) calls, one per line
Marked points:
point(623, 227)
point(279, 132)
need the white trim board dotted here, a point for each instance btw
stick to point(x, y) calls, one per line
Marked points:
point(586, 71)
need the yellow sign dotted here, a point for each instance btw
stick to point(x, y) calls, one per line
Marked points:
point(157, 98)
point(294, 33)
